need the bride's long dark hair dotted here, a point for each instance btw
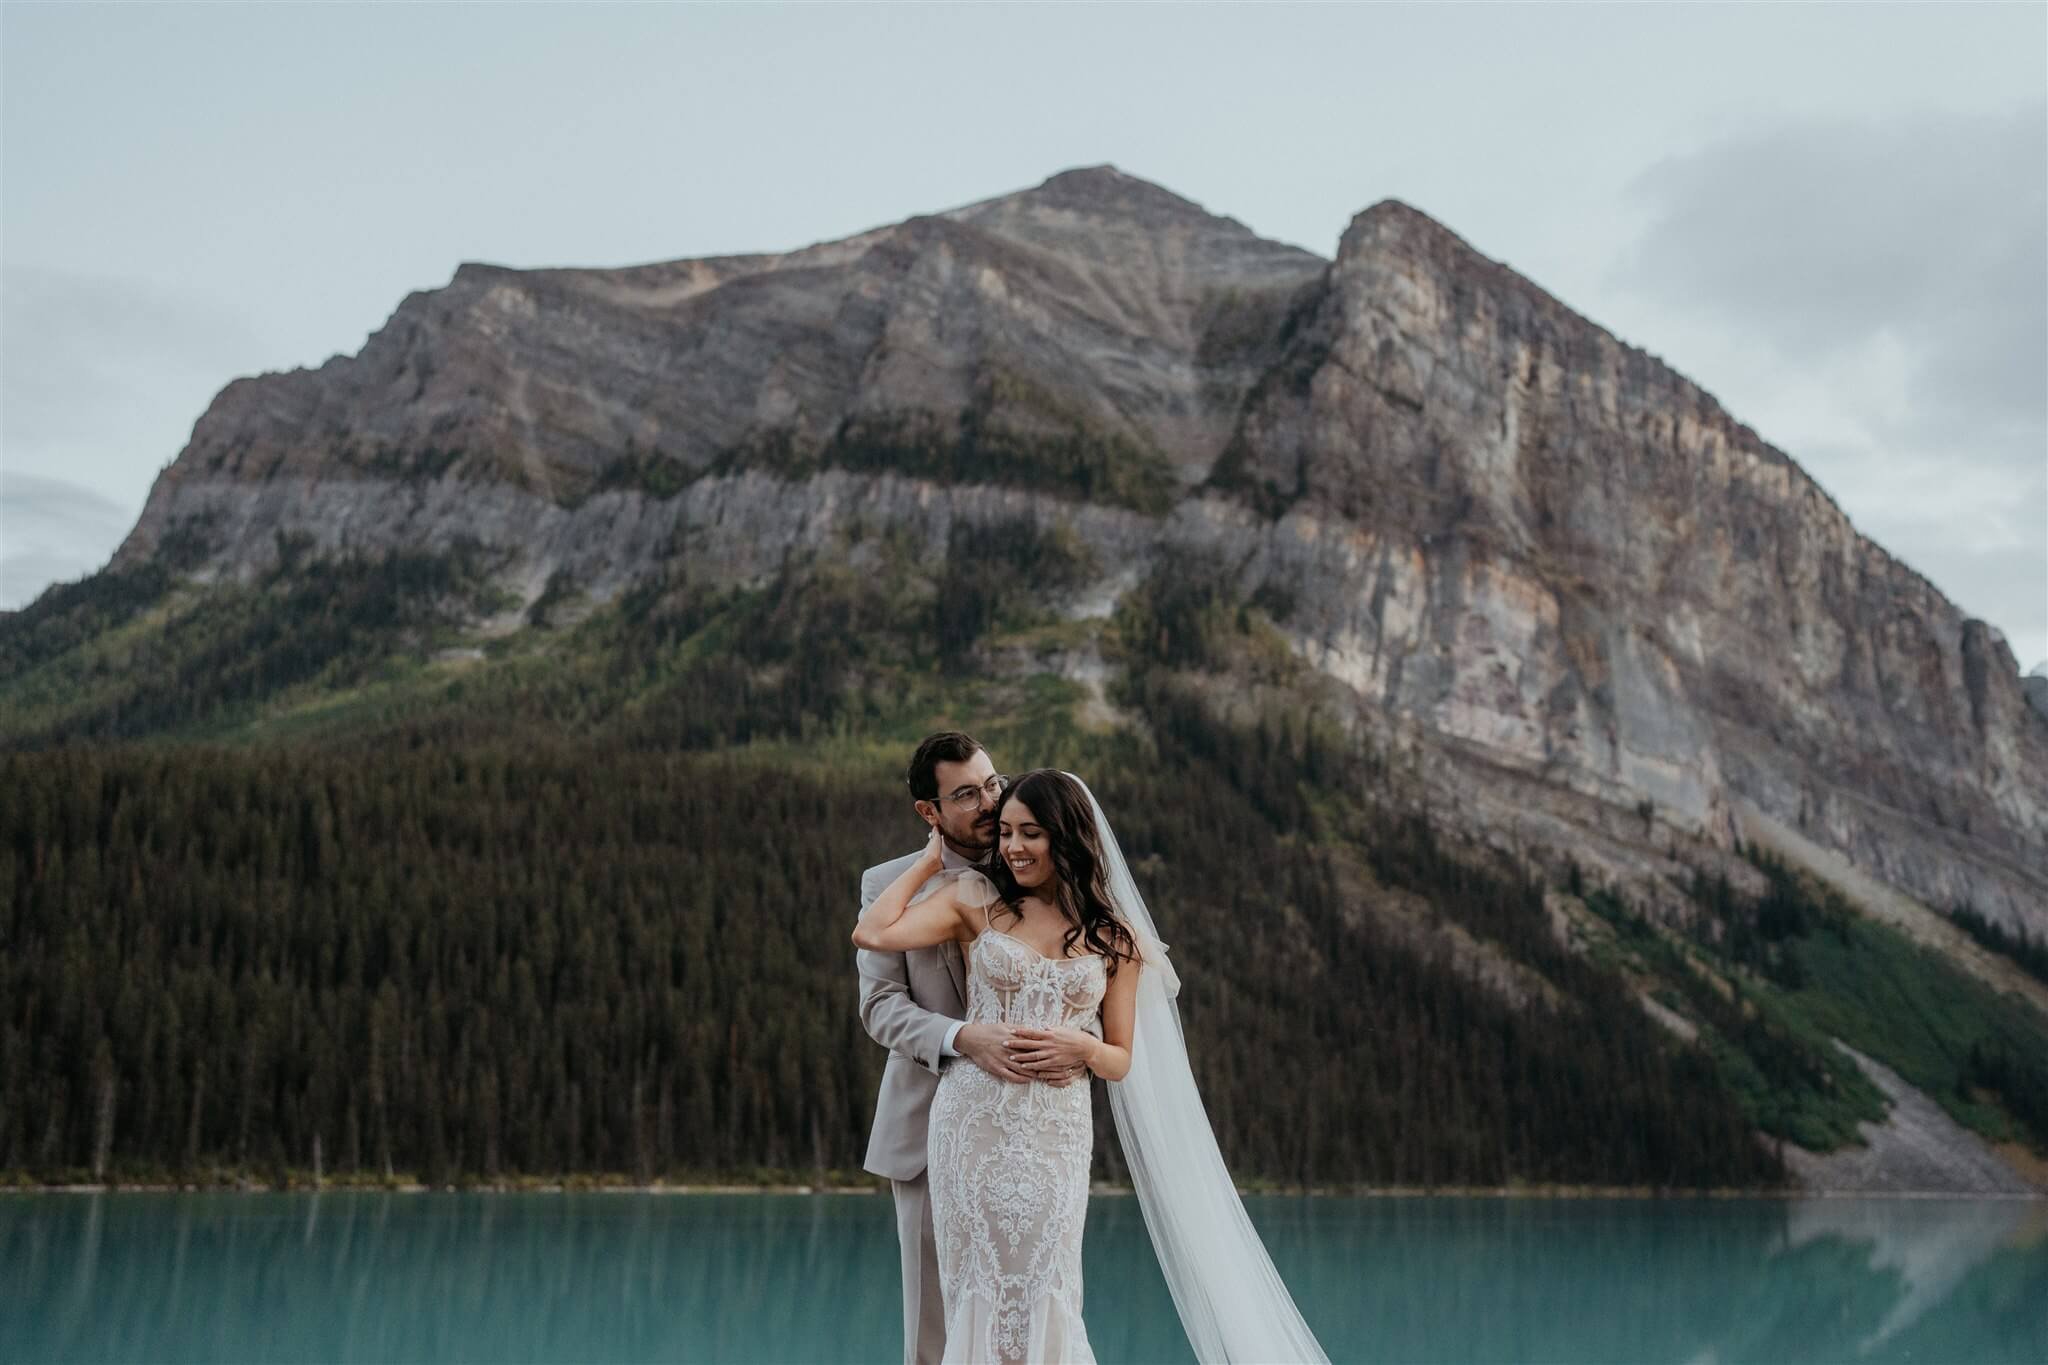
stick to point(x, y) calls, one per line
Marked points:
point(1080, 884)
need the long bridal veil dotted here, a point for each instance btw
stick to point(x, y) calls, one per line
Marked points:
point(1231, 1300)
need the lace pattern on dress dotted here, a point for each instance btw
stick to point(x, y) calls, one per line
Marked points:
point(1009, 1167)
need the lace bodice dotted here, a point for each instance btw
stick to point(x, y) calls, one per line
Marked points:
point(1009, 981)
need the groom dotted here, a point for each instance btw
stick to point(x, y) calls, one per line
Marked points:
point(913, 1003)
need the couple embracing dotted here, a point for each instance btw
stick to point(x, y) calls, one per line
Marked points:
point(1005, 965)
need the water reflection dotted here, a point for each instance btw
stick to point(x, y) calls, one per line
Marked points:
point(737, 1278)
point(1930, 1247)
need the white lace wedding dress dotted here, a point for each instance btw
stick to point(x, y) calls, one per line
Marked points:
point(1009, 1166)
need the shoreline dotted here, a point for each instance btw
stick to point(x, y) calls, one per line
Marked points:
point(589, 1185)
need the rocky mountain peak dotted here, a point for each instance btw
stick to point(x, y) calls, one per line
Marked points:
point(1106, 192)
point(1088, 211)
point(1394, 231)
point(1389, 218)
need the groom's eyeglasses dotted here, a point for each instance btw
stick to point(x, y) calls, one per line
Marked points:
point(969, 798)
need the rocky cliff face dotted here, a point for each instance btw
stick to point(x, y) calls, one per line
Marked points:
point(1604, 612)
point(1583, 561)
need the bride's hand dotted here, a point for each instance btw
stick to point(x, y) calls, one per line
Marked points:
point(1047, 1052)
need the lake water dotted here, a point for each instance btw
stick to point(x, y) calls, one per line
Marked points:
point(786, 1278)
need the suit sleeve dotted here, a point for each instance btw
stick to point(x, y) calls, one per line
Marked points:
point(888, 1013)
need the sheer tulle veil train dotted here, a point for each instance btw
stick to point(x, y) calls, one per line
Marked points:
point(1231, 1300)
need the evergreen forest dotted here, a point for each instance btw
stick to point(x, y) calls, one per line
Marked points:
point(309, 874)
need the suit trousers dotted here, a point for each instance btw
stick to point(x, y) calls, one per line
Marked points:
point(924, 1305)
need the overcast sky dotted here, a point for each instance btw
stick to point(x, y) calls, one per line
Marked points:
point(1834, 218)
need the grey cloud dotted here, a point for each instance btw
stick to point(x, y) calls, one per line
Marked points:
point(56, 505)
point(101, 377)
point(73, 345)
point(52, 530)
point(1814, 236)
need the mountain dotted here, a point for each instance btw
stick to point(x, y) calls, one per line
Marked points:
point(1095, 320)
point(1494, 521)
point(1394, 536)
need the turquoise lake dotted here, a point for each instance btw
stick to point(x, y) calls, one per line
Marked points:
point(343, 1276)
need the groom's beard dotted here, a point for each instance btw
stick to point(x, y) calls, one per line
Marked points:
point(977, 839)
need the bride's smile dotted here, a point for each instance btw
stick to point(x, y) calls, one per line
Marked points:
point(1026, 849)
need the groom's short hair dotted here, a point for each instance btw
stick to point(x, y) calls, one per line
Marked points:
point(947, 746)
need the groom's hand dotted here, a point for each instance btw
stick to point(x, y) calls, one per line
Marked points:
point(1049, 1053)
point(986, 1046)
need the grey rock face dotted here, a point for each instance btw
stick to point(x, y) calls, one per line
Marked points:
point(1597, 567)
point(1521, 543)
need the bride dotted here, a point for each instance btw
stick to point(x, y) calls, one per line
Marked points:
point(1056, 937)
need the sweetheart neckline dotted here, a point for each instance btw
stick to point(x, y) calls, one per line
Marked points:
point(1042, 957)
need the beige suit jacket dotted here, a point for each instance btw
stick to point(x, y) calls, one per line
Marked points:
point(907, 1002)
